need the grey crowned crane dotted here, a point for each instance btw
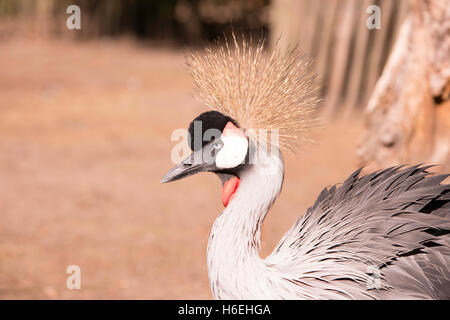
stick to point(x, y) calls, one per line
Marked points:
point(384, 235)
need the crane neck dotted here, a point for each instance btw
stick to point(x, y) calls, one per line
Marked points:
point(234, 243)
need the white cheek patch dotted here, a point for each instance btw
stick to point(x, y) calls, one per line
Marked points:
point(233, 152)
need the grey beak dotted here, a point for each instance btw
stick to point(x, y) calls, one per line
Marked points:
point(180, 171)
point(195, 163)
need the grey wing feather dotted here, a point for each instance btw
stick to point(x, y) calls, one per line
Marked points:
point(395, 223)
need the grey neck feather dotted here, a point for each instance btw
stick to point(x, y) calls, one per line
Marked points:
point(233, 257)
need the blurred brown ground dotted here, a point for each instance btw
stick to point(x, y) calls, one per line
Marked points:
point(84, 140)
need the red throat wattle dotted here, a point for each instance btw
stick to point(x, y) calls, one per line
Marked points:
point(229, 189)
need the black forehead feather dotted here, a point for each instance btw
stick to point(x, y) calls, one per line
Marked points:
point(209, 120)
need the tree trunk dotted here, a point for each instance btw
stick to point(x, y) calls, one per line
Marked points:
point(408, 114)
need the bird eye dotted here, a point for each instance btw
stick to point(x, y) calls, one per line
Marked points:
point(216, 145)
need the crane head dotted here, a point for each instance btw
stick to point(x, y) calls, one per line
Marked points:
point(218, 145)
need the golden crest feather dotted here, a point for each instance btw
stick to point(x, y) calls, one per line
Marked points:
point(260, 90)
